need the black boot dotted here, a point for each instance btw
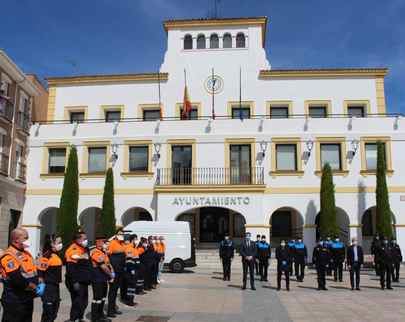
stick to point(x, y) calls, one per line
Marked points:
point(95, 312)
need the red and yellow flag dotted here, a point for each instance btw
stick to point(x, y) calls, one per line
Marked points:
point(185, 114)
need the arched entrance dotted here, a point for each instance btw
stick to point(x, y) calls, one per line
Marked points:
point(47, 220)
point(286, 224)
point(209, 225)
point(135, 214)
point(90, 222)
point(369, 227)
point(343, 223)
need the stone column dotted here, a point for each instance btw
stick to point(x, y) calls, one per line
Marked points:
point(355, 232)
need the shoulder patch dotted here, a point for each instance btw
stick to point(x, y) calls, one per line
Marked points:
point(10, 264)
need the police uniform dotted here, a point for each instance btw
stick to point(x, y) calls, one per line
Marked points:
point(99, 283)
point(329, 267)
point(375, 251)
point(283, 266)
point(397, 261)
point(116, 253)
point(50, 270)
point(264, 254)
point(301, 255)
point(321, 259)
point(226, 253)
point(18, 269)
point(338, 257)
point(385, 266)
point(78, 279)
point(291, 251)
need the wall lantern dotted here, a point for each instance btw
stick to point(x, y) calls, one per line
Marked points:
point(157, 147)
point(114, 154)
point(263, 148)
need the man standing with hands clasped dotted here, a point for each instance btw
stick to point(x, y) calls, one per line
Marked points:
point(355, 259)
point(248, 251)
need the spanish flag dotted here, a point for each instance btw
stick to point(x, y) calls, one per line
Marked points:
point(185, 114)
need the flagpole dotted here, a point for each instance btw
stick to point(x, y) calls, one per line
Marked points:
point(213, 94)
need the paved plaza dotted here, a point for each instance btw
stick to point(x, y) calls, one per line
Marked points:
point(200, 295)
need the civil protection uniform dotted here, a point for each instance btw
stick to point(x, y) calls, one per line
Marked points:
point(338, 257)
point(130, 271)
point(264, 254)
point(155, 268)
point(397, 261)
point(321, 259)
point(161, 250)
point(116, 253)
point(226, 253)
point(301, 256)
point(99, 283)
point(18, 269)
point(291, 251)
point(78, 279)
point(50, 270)
point(283, 266)
point(140, 271)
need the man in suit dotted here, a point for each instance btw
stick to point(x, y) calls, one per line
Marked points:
point(248, 251)
point(354, 259)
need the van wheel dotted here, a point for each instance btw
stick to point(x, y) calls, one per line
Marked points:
point(177, 266)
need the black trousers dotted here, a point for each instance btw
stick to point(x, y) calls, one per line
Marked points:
point(338, 271)
point(50, 303)
point(79, 295)
point(257, 266)
point(395, 272)
point(385, 275)
point(321, 272)
point(300, 270)
point(263, 268)
point(113, 292)
point(287, 277)
point(249, 266)
point(123, 287)
point(226, 267)
point(99, 295)
point(148, 278)
point(17, 311)
point(355, 272)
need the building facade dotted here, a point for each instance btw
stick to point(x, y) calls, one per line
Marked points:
point(248, 156)
point(17, 94)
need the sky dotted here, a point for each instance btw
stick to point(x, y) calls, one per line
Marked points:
point(68, 37)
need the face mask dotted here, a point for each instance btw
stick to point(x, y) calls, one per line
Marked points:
point(153, 241)
point(135, 241)
point(354, 243)
point(26, 244)
point(84, 243)
point(145, 245)
point(58, 247)
point(120, 237)
point(300, 241)
point(247, 238)
point(105, 247)
point(263, 240)
point(337, 240)
point(385, 241)
point(282, 244)
point(226, 238)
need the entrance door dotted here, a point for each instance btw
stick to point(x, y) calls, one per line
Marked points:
point(214, 224)
point(240, 158)
point(181, 164)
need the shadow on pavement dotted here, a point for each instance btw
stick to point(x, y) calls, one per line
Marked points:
point(307, 287)
point(234, 286)
point(372, 287)
point(217, 278)
point(269, 287)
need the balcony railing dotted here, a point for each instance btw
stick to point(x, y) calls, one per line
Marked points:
point(210, 176)
point(20, 171)
point(4, 163)
point(23, 121)
point(6, 108)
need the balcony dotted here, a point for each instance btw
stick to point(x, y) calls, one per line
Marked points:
point(210, 176)
point(20, 171)
point(4, 163)
point(6, 108)
point(23, 121)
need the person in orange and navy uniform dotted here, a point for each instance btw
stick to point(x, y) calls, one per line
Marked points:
point(116, 253)
point(140, 267)
point(50, 272)
point(78, 275)
point(161, 252)
point(20, 279)
point(130, 274)
point(102, 273)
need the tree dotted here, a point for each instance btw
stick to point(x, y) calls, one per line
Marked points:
point(66, 221)
point(383, 210)
point(327, 215)
point(108, 209)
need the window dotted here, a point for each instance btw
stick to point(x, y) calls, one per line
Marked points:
point(240, 162)
point(201, 42)
point(97, 159)
point(193, 113)
point(355, 111)
point(286, 157)
point(77, 117)
point(241, 112)
point(240, 40)
point(331, 153)
point(371, 156)
point(20, 166)
point(138, 158)
point(188, 42)
point(227, 41)
point(317, 111)
point(4, 88)
point(278, 112)
point(151, 115)
point(214, 41)
point(112, 116)
point(57, 158)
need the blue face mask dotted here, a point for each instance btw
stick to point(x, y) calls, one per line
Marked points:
point(247, 238)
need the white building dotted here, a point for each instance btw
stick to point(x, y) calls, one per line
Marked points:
point(256, 165)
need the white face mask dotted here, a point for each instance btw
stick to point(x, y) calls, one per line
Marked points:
point(354, 243)
point(26, 244)
point(105, 247)
point(282, 244)
point(58, 247)
point(84, 243)
point(145, 245)
point(299, 240)
point(120, 237)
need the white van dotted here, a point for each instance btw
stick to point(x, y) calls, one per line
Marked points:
point(180, 246)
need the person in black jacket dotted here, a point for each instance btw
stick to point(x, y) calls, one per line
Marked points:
point(375, 250)
point(301, 256)
point(283, 265)
point(148, 259)
point(264, 254)
point(386, 262)
point(226, 253)
point(321, 259)
point(248, 252)
point(355, 259)
point(397, 260)
point(256, 259)
point(338, 257)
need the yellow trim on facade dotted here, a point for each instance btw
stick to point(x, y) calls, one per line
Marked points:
point(235, 104)
point(85, 157)
point(399, 225)
point(309, 226)
point(324, 73)
point(332, 140)
point(112, 108)
point(380, 95)
point(355, 226)
point(316, 103)
point(217, 189)
point(149, 107)
point(51, 103)
point(231, 141)
point(69, 109)
point(257, 226)
point(125, 165)
point(31, 226)
point(122, 191)
point(364, 103)
point(283, 103)
point(374, 139)
point(196, 105)
point(286, 140)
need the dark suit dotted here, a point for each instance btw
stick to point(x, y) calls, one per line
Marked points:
point(283, 257)
point(248, 248)
point(355, 264)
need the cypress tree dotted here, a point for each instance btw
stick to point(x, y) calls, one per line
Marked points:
point(66, 221)
point(383, 210)
point(108, 209)
point(327, 215)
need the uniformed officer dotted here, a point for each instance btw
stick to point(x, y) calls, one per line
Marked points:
point(264, 254)
point(102, 273)
point(50, 273)
point(301, 256)
point(130, 271)
point(78, 275)
point(338, 257)
point(375, 251)
point(140, 267)
point(291, 250)
point(124, 281)
point(397, 260)
point(116, 253)
point(148, 260)
point(155, 269)
point(283, 264)
point(20, 279)
point(321, 259)
point(161, 252)
point(226, 253)
point(328, 244)
point(256, 259)
point(386, 262)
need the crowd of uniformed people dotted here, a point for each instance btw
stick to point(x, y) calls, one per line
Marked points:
point(122, 263)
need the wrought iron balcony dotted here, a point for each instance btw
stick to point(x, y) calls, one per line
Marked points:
point(210, 176)
point(23, 121)
point(6, 108)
